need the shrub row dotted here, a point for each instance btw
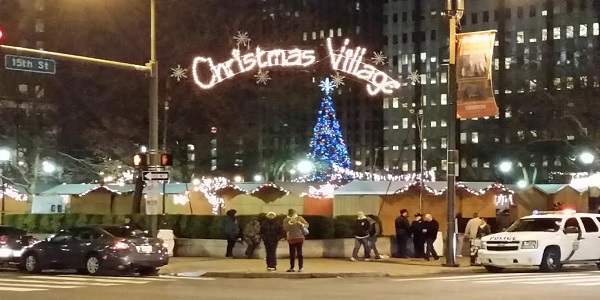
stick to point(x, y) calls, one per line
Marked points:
point(183, 226)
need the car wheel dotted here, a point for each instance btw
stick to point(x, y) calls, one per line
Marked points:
point(148, 271)
point(93, 265)
point(31, 263)
point(551, 260)
point(493, 269)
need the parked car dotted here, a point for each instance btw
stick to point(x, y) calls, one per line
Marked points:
point(12, 242)
point(94, 250)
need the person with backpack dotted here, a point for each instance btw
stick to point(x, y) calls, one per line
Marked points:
point(374, 232)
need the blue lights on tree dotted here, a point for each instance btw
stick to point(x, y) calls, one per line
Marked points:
point(328, 151)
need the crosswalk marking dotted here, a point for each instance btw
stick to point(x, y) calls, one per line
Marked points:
point(586, 284)
point(529, 278)
point(574, 280)
point(460, 277)
point(187, 278)
point(32, 283)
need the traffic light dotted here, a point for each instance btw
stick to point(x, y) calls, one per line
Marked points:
point(1, 35)
point(166, 159)
point(140, 160)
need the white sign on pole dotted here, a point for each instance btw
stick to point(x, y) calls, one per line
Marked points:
point(152, 196)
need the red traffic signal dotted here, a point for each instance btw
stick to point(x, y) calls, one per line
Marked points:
point(1, 34)
point(166, 160)
point(140, 160)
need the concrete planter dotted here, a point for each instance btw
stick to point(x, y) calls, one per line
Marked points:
point(334, 248)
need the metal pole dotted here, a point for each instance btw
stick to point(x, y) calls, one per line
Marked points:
point(3, 195)
point(153, 110)
point(452, 152)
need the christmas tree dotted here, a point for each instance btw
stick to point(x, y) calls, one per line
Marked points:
point(328, 151)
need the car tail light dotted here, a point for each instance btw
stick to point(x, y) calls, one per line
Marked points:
point(120, 246)
point(3, 240)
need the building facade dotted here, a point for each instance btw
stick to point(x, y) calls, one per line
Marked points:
point(544, 84)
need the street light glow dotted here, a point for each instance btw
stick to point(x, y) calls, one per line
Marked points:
point(4, 155)
point(522, 184)
point(586, 158)
point(505, 166)
point(48, 167)
point(258, 178)
point(238, 179)
point(305, 167)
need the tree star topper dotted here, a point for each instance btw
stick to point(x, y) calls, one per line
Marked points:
point(327, 86)
point(262, 77)
point(178, 73)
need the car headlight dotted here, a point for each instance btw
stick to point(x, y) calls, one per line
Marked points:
point(529, 245)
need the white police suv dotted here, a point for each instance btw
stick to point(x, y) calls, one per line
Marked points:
point(545, 239)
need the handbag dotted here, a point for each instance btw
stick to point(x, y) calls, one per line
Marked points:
point(305, 231)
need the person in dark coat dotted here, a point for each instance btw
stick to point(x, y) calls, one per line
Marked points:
point(374, 232)
point(416, 228)
point(271, 232)
point(361, 227)
point(503, 220)
point(232, 231)
point(402, 233)
point(431, 230)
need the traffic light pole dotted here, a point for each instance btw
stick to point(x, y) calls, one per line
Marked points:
point(150, 68)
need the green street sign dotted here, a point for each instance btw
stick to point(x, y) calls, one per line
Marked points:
point(30, 64)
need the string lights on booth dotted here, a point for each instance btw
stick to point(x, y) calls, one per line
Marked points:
point(181, 199)
point(209, 187)
point(11, 192)
point(324, 191)
point(269, 185)
point(100, 187)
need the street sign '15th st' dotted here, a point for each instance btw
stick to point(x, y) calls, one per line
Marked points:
point(30, 64)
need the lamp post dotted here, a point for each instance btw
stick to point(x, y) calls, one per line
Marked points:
point(454, 12)
point(4, 158)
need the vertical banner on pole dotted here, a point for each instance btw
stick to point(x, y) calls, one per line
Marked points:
point(475, 95)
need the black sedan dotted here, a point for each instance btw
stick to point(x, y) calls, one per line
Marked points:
point(94, 250)
point(12, 243)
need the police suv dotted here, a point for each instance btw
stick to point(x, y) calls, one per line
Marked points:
point(545, 239)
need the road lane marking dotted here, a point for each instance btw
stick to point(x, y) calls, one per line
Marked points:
point(581, 280)
point(464, 276)
point(92, 279)
point(500, 278)
point(586, 284)
point(188, 278)
point(41, 285)
point(58, 282)
point(16, 289)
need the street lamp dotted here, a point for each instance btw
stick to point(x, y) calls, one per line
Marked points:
point(4, 158)
point(305, 167)
point(505, 166)
point(586, 158)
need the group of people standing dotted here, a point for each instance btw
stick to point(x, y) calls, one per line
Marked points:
point(423, 232)
point(294, 229)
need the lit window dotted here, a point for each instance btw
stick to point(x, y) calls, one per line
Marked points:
point(322, 34)
point(569, 32)
point(520, 37)
point(314, 35)
point(444, 99)
point(339, 32)
point(357, 29)
point(331, 33)
point(463, 162)
point(412, 58)
point(556, 33)
point(507, 62)
point(433, 124)
point(595, 29)
point(444, 77)
point(463, 137)
point(404, 123)
point(423, 57)
point(423, 78)
point(532, 40)
point(386, 103)
point(396, 148)
point(443, 123)
point(395, 102)
point(405, 166)
point(557, 83)
point(424, 101)
point(496, 64)
point(474, 163)
point(23, 88)
point(424, 144)
point(544, 34)
point(569, 83)
point(305, 36)
point(444, 143)
point(433, 59)
point(405, 59)
point(444, 164)
point(414, 165)
point(475, 137)
point(433, 81)
point(583, 81)
point(544, 12)
point(395, 127)
point(583, 30)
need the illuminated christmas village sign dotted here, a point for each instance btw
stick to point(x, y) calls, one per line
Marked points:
point(207, 74)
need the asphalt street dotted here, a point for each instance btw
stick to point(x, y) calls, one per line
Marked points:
point(527, 285)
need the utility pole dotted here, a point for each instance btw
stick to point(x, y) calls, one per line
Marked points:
point(454, 11)
point(154, 155)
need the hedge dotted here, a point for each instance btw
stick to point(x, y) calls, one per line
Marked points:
point(183, 226)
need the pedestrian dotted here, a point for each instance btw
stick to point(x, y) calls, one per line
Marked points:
point(361, 227)
point(402, 233)
point(483, 230)
point(252, 237)
point(271, 232)
point(503, 220)
point(296, 228)
point(374, 232)
point(471, 231)
point(232, 231)
point(432, 227)
point(417, 230)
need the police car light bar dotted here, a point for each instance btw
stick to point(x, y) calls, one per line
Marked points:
point(566, 211)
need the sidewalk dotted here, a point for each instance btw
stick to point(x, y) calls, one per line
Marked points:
point(313, 268)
